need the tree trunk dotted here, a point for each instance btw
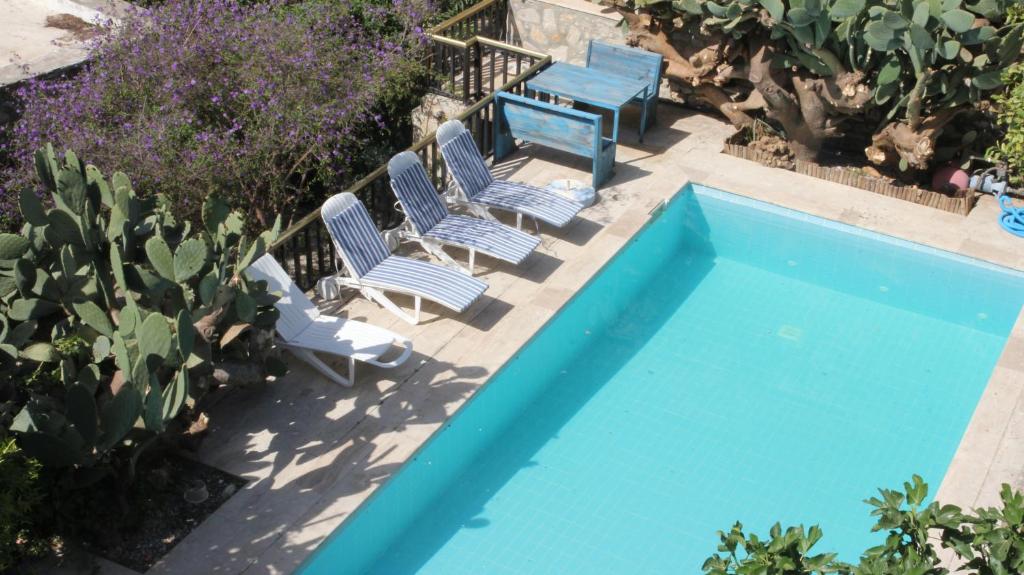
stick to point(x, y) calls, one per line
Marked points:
point(900, 141)
point(804, 140)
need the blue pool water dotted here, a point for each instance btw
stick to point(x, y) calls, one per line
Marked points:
point(736, 361)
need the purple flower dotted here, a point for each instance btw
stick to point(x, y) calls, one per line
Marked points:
point(257, 101)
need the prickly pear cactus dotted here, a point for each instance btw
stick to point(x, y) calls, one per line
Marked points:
point(115, 317)
point(904, 68)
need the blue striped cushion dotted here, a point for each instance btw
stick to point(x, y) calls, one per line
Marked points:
point(535, 202)
point(356, 236)
point(420, 200)
point(487, 237)
point(447, 287)
point(466, 164)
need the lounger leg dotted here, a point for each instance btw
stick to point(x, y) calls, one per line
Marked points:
point(519, 221)
point(318, 364)
point(351, 370)
point(382, 300)
point(406, 345)
point(481, 212)
point(435, 249)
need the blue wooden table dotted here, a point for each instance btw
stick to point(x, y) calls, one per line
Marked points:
point(593, 87)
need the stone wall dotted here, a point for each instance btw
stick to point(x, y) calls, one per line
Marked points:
point(433, 111)
point(562, 28)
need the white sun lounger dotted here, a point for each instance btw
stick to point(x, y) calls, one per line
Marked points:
point(428, 220)
point(481, 191)
point(304, 331)
point(373, 270)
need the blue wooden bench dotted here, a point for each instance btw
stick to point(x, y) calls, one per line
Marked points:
point(632, 63)
point(554, 126)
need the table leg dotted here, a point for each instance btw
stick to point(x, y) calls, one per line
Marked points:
point(615, 125)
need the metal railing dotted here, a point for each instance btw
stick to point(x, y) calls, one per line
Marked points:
point(469, 56)
point(469, 70)
point(488, 18)
point(305, 248)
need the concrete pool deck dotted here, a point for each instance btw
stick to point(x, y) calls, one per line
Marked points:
point(313, 451)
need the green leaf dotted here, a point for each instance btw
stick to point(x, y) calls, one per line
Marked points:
point(122, 358)
point(160, 257)
point(921, 14)
point(154, 338)
point(94, 317)
point(894, 20)
point(800, 17)
point(948, 49)
point(688, 6)
point(775, 8)
point(256, 251)
point(81, 410)
point(890, 71)
point(958, 20)
point(32, 208)
point(976, 36)
point(119, 415)
point(175, 394)
point(843, 9)
point(186, 333)
point(189, 258)
point(988, 80)
point(245, 307)
point(25, 277)
point(31, 308)
point(208, 288)
point(878, 36)
point(101, 349)
point(152, 414)
point(71, 190)
point(50, 450)
point(921, 38)
point(13, 246)
point(41, 352)
point(64, 227)
point(1010, 47)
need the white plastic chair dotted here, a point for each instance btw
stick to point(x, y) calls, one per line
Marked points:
point(304, 331)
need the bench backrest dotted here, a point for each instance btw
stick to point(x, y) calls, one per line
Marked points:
point(558, 127)
point(626, 61)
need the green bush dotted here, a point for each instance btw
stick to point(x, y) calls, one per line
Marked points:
point(1010, 116)
point(988, 542)
point(116, 318)
point(20, 494)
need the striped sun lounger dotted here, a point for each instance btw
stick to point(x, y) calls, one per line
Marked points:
point(429, 222)
point(373, 270)
point(482, 191)
point(304, 331)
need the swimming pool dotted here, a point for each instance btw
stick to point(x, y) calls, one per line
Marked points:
point(735, 361)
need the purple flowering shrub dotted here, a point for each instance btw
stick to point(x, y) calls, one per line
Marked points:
point(259, 102)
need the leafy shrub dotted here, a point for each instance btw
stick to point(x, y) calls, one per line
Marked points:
point(990, 542)
point(20, 493)
point(115, 318)
point(255, 101)
point(1010, 106)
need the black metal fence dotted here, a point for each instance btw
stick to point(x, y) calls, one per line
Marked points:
point(306, 249)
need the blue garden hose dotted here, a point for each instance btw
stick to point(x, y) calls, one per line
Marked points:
point(1012, 218)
